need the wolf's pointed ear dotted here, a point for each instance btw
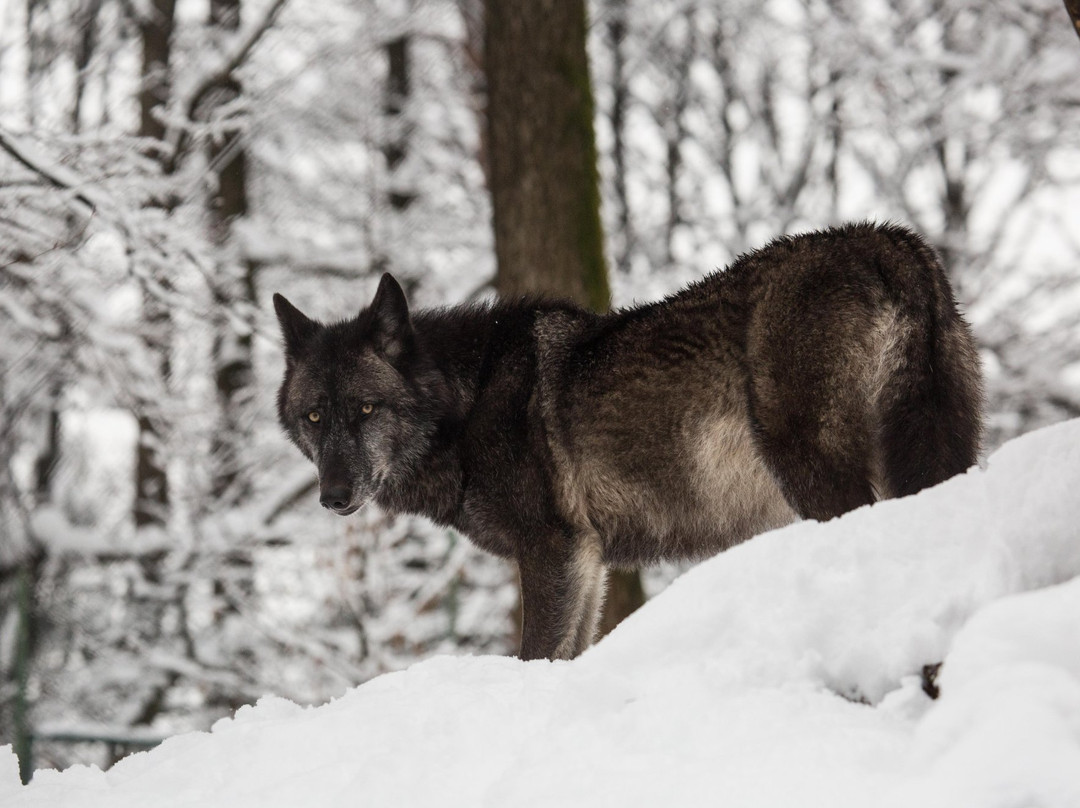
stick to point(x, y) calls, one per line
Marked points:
point(296, 327)
point(390, 316)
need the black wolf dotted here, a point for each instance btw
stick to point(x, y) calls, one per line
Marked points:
point(813, 376)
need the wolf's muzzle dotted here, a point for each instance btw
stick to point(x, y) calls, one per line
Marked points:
point(337, 498)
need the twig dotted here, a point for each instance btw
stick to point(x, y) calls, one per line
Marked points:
point(57, 175)
point(220, 73)
point(233, 60)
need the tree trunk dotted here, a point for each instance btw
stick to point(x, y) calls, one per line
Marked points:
point(155, 30)
point(396, 147)
point(26, 586)
point(37, 60)
point(234, 288)
point(543, 176)
point(87, 15)
point(542, 150)
point(235, 281)
point(151, 479)
point(620, 97)
point(151, 482)
point(390, 252)
point(675, 129)
point(1073, 8)
point(27, 575)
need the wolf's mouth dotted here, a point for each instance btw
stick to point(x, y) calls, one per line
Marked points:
point(349, 511)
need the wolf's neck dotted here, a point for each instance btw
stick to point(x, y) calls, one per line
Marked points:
point(458, 340)
point(469, 342)
point(455, 346)
point(482, 365)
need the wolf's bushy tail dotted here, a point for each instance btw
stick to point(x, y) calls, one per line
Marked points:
point(931, 408)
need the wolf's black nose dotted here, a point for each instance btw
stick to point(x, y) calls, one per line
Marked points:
point(336, 498)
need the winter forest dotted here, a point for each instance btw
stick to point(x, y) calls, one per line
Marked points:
point(167, 165)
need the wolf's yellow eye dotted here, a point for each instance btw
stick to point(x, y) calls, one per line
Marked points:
point(367, 408)
point(313, 416)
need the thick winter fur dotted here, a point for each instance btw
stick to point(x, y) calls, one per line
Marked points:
point(809, 378)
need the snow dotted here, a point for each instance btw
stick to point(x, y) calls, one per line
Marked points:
point(783, 672)
point(1009, 732)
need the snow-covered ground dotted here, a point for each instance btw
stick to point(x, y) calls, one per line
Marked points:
point(783, 673)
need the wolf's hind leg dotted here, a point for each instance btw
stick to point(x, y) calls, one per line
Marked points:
point(810, 393)
point(818, 481)
point(813, 429)
point(562, 586)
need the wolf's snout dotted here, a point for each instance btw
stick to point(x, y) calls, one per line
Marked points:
point(336, 498)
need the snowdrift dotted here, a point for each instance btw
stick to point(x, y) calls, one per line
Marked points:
point(784, 672)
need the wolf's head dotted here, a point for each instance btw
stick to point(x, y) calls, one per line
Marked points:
point(358, 398)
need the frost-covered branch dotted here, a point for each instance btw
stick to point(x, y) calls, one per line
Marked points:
point(193, 96)
point(57, 175)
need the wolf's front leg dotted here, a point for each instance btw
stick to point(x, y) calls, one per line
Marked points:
point(562, 592)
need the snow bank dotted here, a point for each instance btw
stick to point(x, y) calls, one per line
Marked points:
point(1009, 731)
point(783, 672)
